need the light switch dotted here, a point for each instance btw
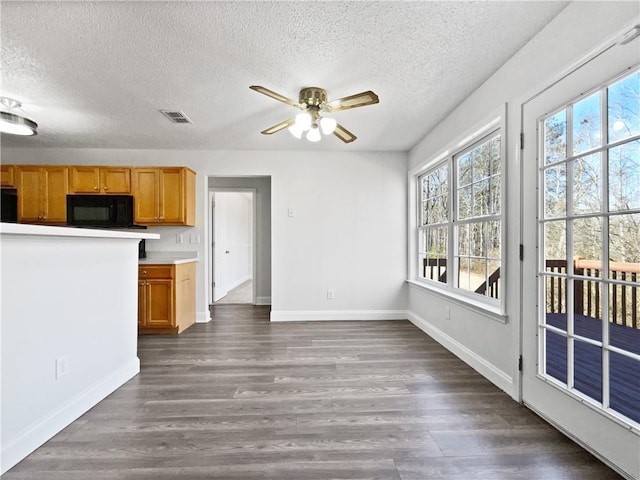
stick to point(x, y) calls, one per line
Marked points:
point(194, 239)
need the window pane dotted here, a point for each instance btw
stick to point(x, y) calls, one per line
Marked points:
point(464, 271)
point(624, 316)
point(624, 247)
point(587, 124)
point(587, 243)
point(480, 160)
point(464, 169)
point(624, 177)
point(624, 385)
point(493, 285)
point(494, 200)
point(425, 213)
point(438, 211)
point(478, 274)
point(587, 309)
point(587, 184)
point(555, 241)
point(555, 191)
point(480, 202)
point(555, 294)
point(493, 240)
point(555, 137)
point(463, 240)
point(464, 202)
point(476, 233)
point(624, 108)
point(495, 155)
point(424, 188)
point(587, 365)
point(556, 356)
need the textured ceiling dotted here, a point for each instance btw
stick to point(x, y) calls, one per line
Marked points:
point(95, 74)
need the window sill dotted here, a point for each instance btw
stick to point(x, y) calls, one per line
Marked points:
point(490, 311)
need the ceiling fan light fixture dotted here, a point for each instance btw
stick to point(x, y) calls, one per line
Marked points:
point(303, 121)
point(328, 125)
point(15, 124)
point(313, 135)
point(296, 131)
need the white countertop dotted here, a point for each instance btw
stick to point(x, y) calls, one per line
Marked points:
point(168, 258)
point(45, 230)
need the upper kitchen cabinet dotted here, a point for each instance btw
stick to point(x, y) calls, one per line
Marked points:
point(42, 194)
point(7, 176)
point(164, 196)
point(100, 180)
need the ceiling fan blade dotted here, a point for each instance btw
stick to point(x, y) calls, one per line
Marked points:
point(353, 101)
point(279, 126)
point(272, 94)
point(343, 134)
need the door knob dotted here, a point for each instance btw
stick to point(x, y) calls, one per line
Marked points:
point(226, 251)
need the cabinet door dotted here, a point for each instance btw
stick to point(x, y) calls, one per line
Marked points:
point(146, 192)
point(55, 190)
point(29, 195)
point(84, 180)
point(115, 180)
point(160, 305)
point(7, 176)
point(172, 195)
point(142, 303)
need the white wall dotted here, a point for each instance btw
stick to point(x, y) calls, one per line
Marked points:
point(349, 232)
point(489, 345)
point(62, 297)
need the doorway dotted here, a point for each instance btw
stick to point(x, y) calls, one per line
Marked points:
point(233, 252)
point(582, 136)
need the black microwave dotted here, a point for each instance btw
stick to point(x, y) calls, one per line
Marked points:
point(106, 211)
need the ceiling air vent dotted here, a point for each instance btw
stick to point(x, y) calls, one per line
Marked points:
point(176, 116)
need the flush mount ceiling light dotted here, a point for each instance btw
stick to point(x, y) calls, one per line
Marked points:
point(15, 124)
point(314, 120)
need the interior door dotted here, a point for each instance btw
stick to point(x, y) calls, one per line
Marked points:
point(220, 246)
point(572, 377)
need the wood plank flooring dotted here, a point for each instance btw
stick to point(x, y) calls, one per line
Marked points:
point(241, 398)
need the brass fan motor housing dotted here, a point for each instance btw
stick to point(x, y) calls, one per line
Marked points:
point(312, 96)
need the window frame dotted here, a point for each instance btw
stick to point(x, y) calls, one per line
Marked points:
point(481, 132)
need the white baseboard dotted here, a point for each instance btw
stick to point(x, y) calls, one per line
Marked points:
point(203, 317)
point(263, 300)
point(32, 437)
point(482, 366)
point(336, 315)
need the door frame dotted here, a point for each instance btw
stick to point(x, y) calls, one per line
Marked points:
point(211, 247)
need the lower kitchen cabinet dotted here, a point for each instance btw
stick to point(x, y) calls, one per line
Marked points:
point(166, 298)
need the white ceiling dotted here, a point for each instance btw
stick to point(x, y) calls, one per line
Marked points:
point(95, 74)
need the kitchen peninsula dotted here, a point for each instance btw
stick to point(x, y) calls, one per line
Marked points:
point(68, 327)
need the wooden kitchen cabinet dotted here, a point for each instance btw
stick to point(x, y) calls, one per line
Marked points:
point(42, 194)
point(100, 180)
point(164, 196)
point(166, 298)
point(7, 176)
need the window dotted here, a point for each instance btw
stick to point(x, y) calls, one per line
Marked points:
point(590, 232)
point(459, 228)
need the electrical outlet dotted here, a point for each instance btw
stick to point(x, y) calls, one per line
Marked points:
point(291, 212)
point(62, 366)
point(194, 239)
point(330, 294)
point(179, 239)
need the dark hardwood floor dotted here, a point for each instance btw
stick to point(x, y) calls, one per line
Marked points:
point(241, 398)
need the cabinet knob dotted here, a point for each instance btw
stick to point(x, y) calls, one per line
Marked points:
point(95, 188)
point(106, 188)
point(144, 271)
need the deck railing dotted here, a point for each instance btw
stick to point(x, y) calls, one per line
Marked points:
point(587, 296)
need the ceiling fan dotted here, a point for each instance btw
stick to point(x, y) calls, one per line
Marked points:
point(313, 119)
